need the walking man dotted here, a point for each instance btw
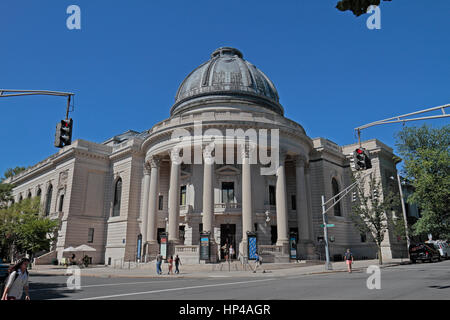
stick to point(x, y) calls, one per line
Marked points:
point(258, 262)
point(349, 260)
point(177, 263)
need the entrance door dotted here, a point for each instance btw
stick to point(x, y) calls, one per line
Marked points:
point(227, 236)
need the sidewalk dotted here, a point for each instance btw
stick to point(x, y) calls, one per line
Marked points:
point(213, 270)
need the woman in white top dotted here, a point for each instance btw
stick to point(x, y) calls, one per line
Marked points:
point(17, 281)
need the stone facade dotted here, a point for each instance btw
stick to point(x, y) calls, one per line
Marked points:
point(131, 185)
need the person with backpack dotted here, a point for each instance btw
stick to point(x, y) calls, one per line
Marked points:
point(17, 281)
point(177, 263)
point(349, 260)
point(258, 262)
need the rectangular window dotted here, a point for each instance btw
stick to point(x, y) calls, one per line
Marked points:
point(91, 235)
point(183, 195)
point(272, 201)
point(294, 202)
point(160, 202)
point(363, 237)
point(256, 227)
point(200, 227)
point(61, 203)
point(227, 192)
point(181, 234)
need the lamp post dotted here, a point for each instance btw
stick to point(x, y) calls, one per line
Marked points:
point(402, 200)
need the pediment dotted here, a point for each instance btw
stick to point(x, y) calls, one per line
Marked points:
point(228, 170)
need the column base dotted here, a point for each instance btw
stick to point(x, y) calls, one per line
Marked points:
point(306, 250)
point(243, 251)
point(152, 249)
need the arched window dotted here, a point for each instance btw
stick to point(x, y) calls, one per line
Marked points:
point(117, 198)
point(335, 187)
point(38, 193)
point(48, 202)
point(20, 198)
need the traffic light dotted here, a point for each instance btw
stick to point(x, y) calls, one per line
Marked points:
point(63, 135)
point(354, 196)
point(361, 159)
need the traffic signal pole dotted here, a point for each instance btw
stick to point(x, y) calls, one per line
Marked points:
point(402, 119)
point(19, 93)
point(334, 201)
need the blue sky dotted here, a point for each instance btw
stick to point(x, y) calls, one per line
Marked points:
point(126, 63)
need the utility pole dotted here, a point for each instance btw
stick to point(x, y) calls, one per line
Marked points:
point(334, 201)
point(328, 265)
point(402, 119)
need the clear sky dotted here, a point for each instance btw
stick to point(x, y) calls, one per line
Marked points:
point(127, 61)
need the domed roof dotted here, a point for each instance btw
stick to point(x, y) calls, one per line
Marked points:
point(225, 74)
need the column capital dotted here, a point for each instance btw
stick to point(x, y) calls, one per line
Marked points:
point(209, 153)
point(175, 155)
point(300, 161)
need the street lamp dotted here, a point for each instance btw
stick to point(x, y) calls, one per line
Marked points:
point(402, 200)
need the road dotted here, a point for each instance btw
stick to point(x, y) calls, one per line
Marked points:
point(418, 281)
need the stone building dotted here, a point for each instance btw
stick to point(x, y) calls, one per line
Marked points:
point(133, 186)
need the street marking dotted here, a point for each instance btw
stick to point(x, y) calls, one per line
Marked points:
point(176, 289)
point(103, 285)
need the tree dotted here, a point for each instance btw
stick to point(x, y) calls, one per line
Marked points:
point(358, 7)
point(426, 154)
point(22, 229)
point(12, 172)
point(373, 215)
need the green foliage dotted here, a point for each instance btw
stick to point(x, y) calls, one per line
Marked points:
point(372, 215)
point(426, 155)
point(23, 229)
point(358, 7)
point(5, 194)
point(12, 172)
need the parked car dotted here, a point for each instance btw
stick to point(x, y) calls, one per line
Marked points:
point(441, 246)
point(423, 252)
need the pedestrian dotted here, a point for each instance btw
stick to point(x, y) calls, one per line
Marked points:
point(170, 265)
point(158, 263)
point(17, 281)
point(258, 262)
point(349, 260)
point(231, 252)
point(177, 263)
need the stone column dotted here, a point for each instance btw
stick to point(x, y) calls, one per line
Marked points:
point(301, 199)
point(174, 199)
point(152, 210)
point(281, 202)
point(247, 204)
point(208, 194)
point(144, 211)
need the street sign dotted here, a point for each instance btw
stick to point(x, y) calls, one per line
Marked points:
point(329, 225)
point(204, 246)
point(163, 246)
